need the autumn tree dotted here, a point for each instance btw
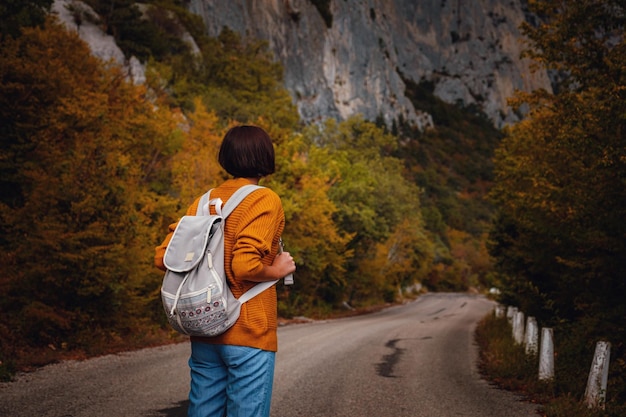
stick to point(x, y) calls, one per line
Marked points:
point(373, 200)
point(244, 81)
point(311, 235)
point(452, 164)
point(236, 77)
point(80, 151)
point(561, 175)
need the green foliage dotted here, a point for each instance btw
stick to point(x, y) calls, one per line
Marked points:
point(236, 78)
point(18, 14)
point(244, 82)
point(144, 31)
point(452, 165)
point(318, 243)
point(373, 199)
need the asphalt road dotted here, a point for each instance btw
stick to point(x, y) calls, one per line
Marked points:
point(414, 360)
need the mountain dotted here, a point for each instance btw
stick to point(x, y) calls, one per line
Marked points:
point(343, 57)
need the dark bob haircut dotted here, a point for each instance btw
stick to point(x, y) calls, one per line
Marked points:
point(247, 152)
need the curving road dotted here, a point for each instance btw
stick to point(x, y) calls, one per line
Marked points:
point(413, 360)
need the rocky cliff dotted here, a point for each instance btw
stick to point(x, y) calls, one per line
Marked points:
point(102, 45)
point(355, 58)
point(469, 51)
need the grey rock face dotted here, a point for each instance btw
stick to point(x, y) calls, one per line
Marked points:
point(101, 45)
point(469, 49)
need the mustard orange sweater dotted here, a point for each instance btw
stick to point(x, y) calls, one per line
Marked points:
point(251, 239)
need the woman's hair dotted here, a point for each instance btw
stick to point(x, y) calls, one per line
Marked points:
point(247, 152)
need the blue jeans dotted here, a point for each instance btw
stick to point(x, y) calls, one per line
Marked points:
point(230, 381)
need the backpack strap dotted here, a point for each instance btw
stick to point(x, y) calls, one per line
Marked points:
point(237, 198)
point(206, 202)
point(256, 290)
point(231, 204)
point(203, 204)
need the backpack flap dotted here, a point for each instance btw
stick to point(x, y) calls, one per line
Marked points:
point(189, 242)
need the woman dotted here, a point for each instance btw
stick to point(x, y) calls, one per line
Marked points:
point(232, 374)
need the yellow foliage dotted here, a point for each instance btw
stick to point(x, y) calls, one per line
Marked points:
point(195, 167)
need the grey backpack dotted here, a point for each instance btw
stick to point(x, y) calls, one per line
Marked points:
point(195, 293)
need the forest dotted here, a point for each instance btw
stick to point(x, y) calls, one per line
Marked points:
point(94, 168)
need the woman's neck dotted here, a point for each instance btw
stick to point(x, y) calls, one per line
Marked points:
point(254, 181)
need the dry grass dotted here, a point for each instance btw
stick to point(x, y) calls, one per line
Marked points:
point(508, 366)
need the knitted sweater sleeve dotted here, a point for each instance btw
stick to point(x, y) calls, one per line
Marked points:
point(257, 225)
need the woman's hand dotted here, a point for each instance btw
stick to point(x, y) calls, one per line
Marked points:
point(284, 264)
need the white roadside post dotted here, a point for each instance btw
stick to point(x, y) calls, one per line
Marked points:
point(510, 313)
point(499, 311)
point(546, 355)
point(518, 327)
point(531, 336)
point(595, 394)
